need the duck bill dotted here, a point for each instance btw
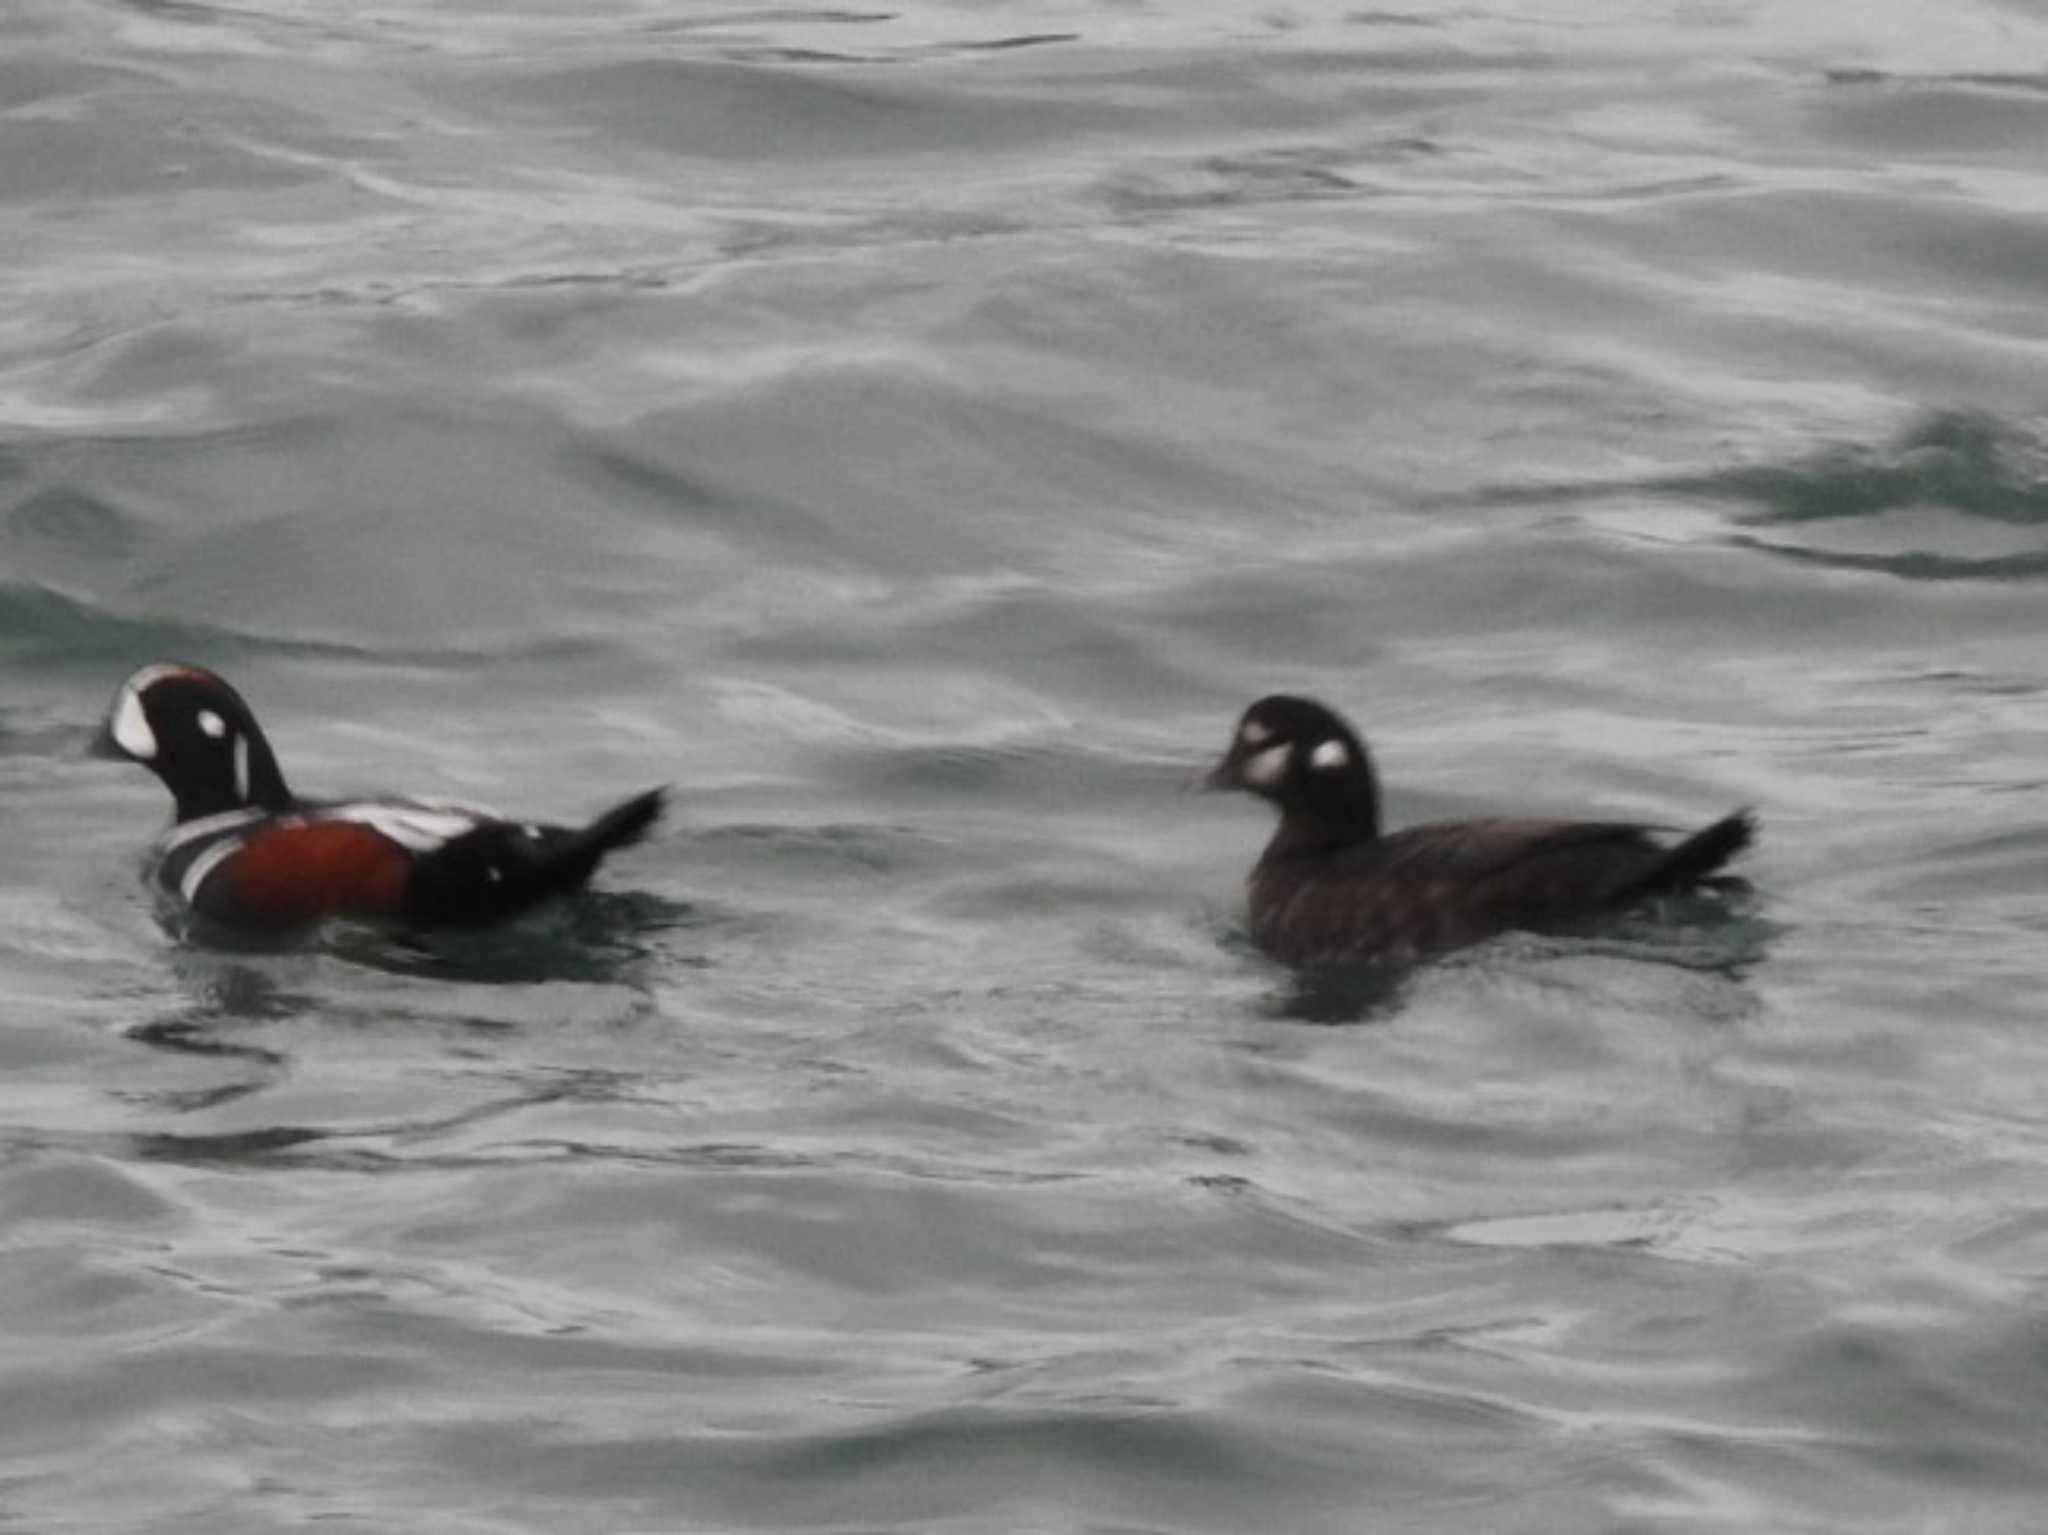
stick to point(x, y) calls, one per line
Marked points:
point(104, 746)
point(1222, 776)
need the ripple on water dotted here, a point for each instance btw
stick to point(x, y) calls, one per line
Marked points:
point(915, 435)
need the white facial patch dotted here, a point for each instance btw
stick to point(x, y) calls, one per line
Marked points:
point(1330, 757)
point(212, 724)
point(1254, 734)
point(131, 726)
point(1268, 767)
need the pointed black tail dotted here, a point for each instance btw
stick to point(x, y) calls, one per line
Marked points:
point(622, 825)
point(502, 867)
point(569, 862)
point(1697, 856)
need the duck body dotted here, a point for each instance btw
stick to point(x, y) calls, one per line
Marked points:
point(1401, 897)
point(1332, 889)
point(246, 854)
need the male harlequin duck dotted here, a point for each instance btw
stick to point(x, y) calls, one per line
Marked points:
point(248, 854)
point(1331, 890)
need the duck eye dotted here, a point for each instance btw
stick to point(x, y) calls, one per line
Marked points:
point(1330, 757)
point(212, 724)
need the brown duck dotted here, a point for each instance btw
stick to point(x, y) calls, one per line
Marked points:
point(1332, 889)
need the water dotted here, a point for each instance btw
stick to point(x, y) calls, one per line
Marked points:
point(915, 435)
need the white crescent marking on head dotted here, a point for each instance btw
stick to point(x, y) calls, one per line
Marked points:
point(1269, 766)
point(131, 726)
point(149, 676)
point(1330, 756)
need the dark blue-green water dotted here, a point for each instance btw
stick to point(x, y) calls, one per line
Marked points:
point(915, 434)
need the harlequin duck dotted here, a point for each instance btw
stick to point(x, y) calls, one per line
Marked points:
point(248, 855)
point(1330, 889)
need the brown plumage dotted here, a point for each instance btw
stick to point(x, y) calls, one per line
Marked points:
point(293, 873)
point(1331, 889)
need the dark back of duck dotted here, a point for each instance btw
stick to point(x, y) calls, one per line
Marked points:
point(1397, 898)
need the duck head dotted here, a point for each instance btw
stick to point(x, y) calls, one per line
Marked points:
point(192, 730)
point(1301, 757)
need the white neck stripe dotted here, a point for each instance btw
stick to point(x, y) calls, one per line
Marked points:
point(205, 864)
point(208, 826)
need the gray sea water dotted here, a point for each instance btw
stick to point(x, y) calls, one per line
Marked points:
point(914, 433)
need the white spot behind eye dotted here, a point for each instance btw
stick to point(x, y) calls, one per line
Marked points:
point(131, 726)
point(1330, 756)
point(1269, 766)
point(212, 724)
point(1254, 734)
